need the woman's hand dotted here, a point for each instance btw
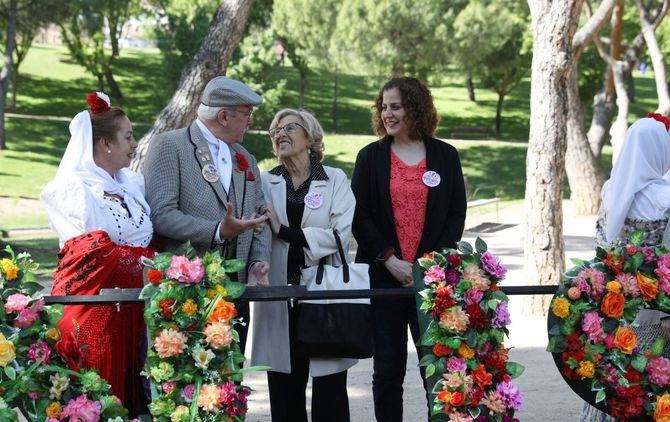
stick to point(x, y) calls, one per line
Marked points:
point(400, 270)
point(275, 225)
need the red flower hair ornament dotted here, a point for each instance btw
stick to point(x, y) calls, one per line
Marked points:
point(661, 118)
point(99, 102)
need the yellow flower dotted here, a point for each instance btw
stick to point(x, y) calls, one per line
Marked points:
point(211, 293)
point(189, 307)
point(179, 414)
point(662, 411)
point(7, 351)
point(561, 307)
point(53, 334)
point(613, 287)
point(586, 369)
point(54, 410)
point(10, 270)
point(465, 351)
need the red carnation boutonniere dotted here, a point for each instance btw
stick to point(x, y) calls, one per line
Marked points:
point(661, 118)
point(242, 164)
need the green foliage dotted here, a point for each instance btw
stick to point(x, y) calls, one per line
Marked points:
point(592, 73)
point(253, 66)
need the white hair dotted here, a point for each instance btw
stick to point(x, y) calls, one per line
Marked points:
point(206, 112)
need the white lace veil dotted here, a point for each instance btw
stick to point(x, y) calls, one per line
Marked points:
point(643, 161)
point(78, 162)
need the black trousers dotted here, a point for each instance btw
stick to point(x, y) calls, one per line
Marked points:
point(330, 402)
point(391, 318)
point(242, 330)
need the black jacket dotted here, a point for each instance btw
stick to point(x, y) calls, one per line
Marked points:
point(374, 225)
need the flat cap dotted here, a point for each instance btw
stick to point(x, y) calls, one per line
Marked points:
point(224, 92)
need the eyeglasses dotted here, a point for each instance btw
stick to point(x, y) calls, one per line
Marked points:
point(248, 114)
point(288, 128)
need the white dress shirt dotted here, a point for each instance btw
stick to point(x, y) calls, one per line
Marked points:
point(222, 159)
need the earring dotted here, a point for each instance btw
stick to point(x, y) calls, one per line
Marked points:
point(109, 151)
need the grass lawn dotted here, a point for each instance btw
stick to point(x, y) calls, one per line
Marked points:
point(42, 249)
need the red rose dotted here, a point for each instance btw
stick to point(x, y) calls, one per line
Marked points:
point(250, 176)
point(167, 305)
point(440, 350)
point(154, 276)
point(457, 399)
point(455, 260)
point(97, 104)
point(68, 349)
point(242, 164)
point(481, 377)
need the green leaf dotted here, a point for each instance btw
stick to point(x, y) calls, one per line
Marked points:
point(492, 304)
point(162, 261)
point(601, 253)
point(186, 249)
point(426, 359)
point(480, 245)
point(639, 362)
point(464, 247)
point(474, 412)
point(600, 396)
point(578, 262)
point(55, 313)
point(636, 238)
point(514, 369)
point(425, 263)
point(552, 345)
point(233, 265)
point(10, 372)
point(657, 346)
point(148, 291)
point(234, 289)
point(430, 370)
point(147, 262)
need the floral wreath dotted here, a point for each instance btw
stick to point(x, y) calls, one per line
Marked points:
point(40, 370)
point(467, 367)
point(590, 332)
point(194, 361)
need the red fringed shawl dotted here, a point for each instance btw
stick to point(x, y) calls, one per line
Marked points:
point(112, 339)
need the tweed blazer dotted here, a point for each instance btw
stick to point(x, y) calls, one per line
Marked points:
point(270, 345)
point(185, 206)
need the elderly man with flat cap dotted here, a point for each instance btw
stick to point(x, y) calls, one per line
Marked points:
point(203, 185)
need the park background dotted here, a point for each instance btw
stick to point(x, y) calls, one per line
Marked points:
point(331, 57)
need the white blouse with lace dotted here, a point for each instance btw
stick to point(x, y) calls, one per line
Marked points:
point(75, 208)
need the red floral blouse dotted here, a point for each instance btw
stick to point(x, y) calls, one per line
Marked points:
point(408, 198)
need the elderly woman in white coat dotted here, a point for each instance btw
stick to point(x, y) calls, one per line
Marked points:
point(307, 201)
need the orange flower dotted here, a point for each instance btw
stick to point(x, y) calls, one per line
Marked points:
point(615, 262)
point(154, 276)
point(223, 311)
point(662, 411)
point(481, 377)
point(427, 255)
point(457, 399)
point(613, 286)
point(561, 307)
point(54, 410)
point(466, 351)
point(444, 396)
point(574, 293)
point(625, 340)
point(612, 305)
point(648, 286)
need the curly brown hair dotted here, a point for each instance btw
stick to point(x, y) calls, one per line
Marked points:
point(422, 117)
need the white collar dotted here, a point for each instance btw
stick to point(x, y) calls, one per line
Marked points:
point(213, 141)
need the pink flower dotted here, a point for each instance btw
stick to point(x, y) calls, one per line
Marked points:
point(658, 369)
point(170, 343)
point(590, 281)
point(491, 264)
point(185, 271)
point(591, 324)
point(628, 284)
point(473, 297)
point(433, 275)
point(218, 334)
point(454, 364)
point(82, 410)
point(209, 398)
point(39, 351)
point(168, 386)
point(648, 253)
point(16, 303)
point(609, 340)
point(29, 315)
point(510, 395)
point(664, 260)
point(476, 277)
point(188, 392)
point(459, 417)
point(34, 395)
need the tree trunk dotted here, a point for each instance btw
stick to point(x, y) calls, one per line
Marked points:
point(471, 89)
point(648, 32)
point(554, 24)
point(6, 72)
point(620, 125)
point(584, 175)
point(15, 81)
point(112, 24)
point(101, 82)
point(603, 111)
point(114, 90)
point(210, 61)
point(499, 107)
point(335, 98)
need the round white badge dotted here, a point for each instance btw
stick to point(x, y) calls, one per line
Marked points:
point(313, 200)
point(431, 179)
point(210, 173)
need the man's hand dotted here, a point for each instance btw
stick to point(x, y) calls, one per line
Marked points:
point(665, 328)
point(232, 226)
point(400, 270)
point(258, 274)
point(270, 212)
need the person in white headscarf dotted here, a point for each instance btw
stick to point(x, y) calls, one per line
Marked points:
point(97, 207)
point(637, 197)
